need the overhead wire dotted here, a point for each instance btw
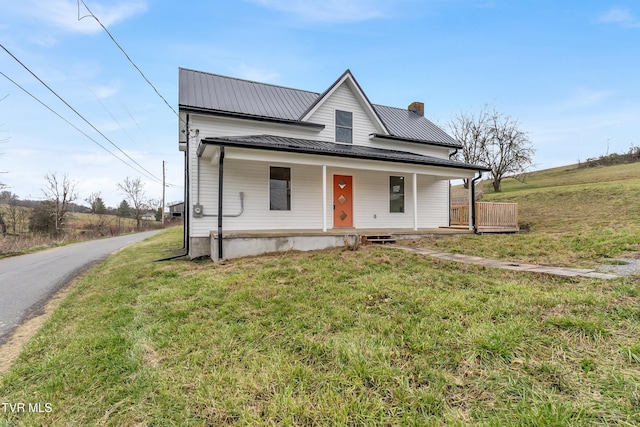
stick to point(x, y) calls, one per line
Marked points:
point(68, 122)
point(148, 174)
point(91, 14)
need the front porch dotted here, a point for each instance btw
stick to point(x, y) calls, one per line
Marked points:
point(240, 243)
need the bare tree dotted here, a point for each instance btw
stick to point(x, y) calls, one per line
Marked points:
point(96, 204)
point(471, 131)
point(494, 140)
point(509, 151)
point(60, 192)
point(133, 190)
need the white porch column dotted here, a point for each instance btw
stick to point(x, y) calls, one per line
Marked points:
point(324, 198)
point(470, 204)
point(415, 201)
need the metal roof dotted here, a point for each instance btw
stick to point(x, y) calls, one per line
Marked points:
point(306, 146)
point(222, 94)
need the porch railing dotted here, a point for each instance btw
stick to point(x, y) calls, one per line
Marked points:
point(489, 215)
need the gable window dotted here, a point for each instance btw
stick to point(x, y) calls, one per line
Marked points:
point(396, 194)
point(344, 126)
point(279, 188)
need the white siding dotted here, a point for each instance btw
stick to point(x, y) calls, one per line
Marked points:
point(343, 99)
point(371, 186)
point(252, 178)
point(433, 202)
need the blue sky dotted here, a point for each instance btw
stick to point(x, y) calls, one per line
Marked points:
point(567, 71)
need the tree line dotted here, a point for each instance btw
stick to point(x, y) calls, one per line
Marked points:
point(60, 198)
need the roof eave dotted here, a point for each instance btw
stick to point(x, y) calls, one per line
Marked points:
point(420, 141)
point(300, 150)
point(219, 113)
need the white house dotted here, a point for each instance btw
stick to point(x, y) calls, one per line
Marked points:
point(270, 168)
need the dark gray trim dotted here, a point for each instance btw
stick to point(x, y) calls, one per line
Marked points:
point(418, 141)
point(220, 188)
point(219, 113)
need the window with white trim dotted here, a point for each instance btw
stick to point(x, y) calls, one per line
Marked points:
point(344, 126)
point(279, 188)
point(396, 194)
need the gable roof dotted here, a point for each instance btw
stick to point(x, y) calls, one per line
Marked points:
point(347, 78)
point(223, 95)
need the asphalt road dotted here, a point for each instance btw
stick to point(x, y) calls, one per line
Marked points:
point(28, 281)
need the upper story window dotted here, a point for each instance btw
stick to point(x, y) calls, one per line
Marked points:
point(344, 126)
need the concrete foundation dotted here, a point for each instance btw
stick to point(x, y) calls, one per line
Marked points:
point(241, 246)
point(199, 246)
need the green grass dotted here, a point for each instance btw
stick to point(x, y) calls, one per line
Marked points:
point(370, 337)
point(577, 218)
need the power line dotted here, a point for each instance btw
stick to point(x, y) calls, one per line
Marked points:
point(125, 54)
point(68, 122)
point(80, 115)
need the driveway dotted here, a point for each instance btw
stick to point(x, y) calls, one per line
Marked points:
point(28, 281)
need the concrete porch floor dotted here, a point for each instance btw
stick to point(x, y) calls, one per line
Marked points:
point(400, 233)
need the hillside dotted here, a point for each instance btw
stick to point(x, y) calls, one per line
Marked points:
point(576, 217)
point(568, 198)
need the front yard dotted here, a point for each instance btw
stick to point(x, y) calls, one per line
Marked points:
point(370, 337)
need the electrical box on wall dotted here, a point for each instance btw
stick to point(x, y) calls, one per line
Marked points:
point(197, 211)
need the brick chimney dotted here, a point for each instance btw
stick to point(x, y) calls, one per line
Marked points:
point(417, 107)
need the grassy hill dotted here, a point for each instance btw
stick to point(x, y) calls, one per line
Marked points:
point(577, 217)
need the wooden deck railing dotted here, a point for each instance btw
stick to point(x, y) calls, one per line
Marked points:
point(489, 215)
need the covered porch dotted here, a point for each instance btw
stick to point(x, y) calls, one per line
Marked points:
point(305, 195)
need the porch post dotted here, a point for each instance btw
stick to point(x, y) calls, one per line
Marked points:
point(471, 197)
point(415, 201)
point(324, 198)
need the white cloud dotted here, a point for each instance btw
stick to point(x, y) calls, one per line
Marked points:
point(328, 11)
point(65, 14)
point(250, 72)
point(584, 98)
point(105, 91)
point(620, 16)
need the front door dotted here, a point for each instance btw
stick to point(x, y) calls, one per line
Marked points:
point(342, 201)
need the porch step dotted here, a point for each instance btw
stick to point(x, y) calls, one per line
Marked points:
point(379, 239)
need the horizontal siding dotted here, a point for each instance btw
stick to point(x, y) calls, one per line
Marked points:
point(371, 201)
point(343, 99)
point(433, 202)
point(252, 178)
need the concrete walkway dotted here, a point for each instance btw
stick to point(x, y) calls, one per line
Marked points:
point(508, 265)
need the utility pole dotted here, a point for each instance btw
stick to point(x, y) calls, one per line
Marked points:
point(163, 187)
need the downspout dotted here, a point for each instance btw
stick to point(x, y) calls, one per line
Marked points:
point(472, 210)
point(220, 188)
point(185, 212)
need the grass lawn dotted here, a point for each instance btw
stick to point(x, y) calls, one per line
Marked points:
point(372, 337)
point(577, 217)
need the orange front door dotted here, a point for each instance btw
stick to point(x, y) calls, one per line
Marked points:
point(342, 201)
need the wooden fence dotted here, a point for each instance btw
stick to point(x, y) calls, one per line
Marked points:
point(489, 216)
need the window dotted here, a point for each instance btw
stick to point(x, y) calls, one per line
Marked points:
point(279, 188)
point(396, 194)
point(344, 126)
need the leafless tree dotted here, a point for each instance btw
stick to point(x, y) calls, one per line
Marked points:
point(96, 204)
point(133, 190)
point(60, 192)
point(494, 140)
point(471, 131)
